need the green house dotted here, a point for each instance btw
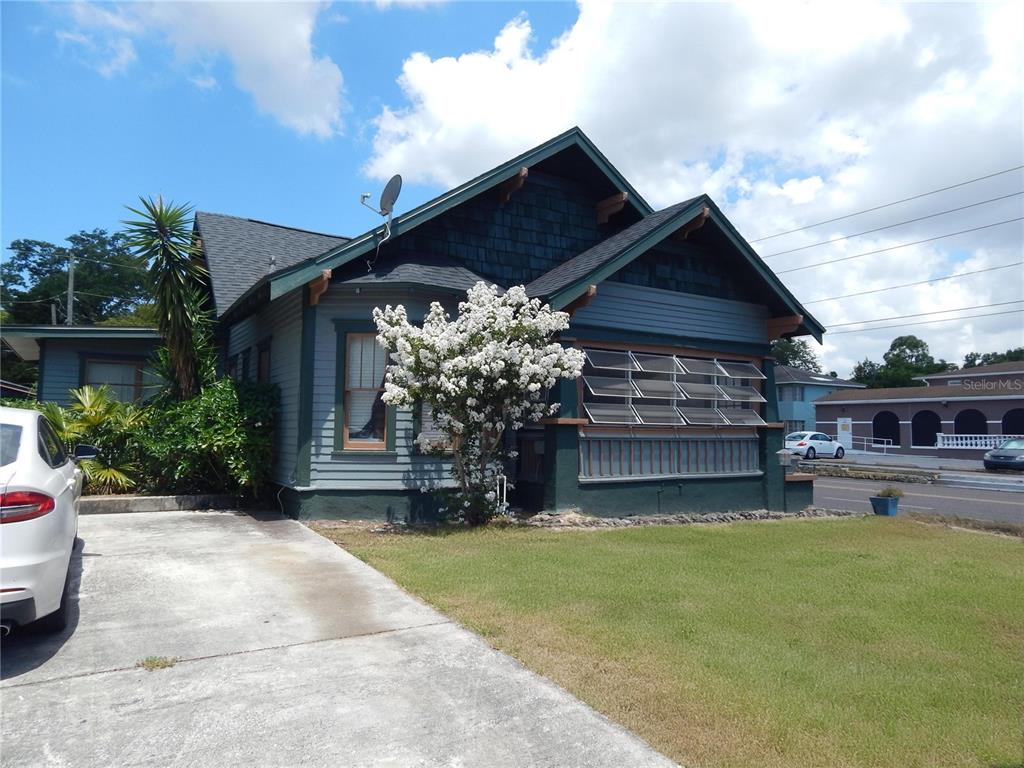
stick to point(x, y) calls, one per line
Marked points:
point(676, 409)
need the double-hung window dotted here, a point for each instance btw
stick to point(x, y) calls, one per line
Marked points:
point(365, 426)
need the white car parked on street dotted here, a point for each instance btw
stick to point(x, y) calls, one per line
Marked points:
point(813, 444)
point(40, 485)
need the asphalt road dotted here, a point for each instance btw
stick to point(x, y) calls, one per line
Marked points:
point(994, 506)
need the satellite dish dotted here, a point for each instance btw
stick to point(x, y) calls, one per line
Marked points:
point(390, 195)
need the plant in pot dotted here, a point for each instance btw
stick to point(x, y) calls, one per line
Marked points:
point(887, 501)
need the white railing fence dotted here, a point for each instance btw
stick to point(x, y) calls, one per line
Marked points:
point(864, 443)
point(980, 442)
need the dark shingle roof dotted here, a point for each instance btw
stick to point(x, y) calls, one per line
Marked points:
point(241, 252)
point(578, 267)
point(787, 374)
point(430, 270)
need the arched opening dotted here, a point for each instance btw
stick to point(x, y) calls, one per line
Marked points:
point(924, 428)
point(885, 426)
point(970, 422)
point(1013, 422)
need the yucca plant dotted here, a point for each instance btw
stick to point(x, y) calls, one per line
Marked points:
point(162, 238)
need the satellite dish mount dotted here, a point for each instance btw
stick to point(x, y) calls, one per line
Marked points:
point(387, 207)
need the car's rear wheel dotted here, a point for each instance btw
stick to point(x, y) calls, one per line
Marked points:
point(840, 452)
point(810, 454)
point(58, 620)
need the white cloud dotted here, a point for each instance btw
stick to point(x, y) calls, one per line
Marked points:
point(270, 46)
point(785, 114)
point(204, 82)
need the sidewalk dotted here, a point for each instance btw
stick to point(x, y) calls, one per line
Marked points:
point(878, 459)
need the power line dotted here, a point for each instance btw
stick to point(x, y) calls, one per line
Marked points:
point(919, 282)
point(896, 247)
point(935, 312)
point(926, 322)
point(29, 301)
point(110, 263)
point(898, 224)
point(886, 205)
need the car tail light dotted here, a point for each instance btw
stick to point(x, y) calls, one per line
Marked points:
point(24, 505)
point(802, 442)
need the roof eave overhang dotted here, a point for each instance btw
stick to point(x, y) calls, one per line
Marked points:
point(293, 277)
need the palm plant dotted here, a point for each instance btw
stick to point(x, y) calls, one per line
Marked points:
point(162, 238)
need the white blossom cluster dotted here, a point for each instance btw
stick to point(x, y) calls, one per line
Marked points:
point(485, 372)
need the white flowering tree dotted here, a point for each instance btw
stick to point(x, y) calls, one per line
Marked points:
point(482, 374)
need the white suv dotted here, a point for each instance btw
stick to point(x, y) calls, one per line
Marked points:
point(40, 485)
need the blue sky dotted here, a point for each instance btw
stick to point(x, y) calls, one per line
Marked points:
point(78, 146)
point(786, 113)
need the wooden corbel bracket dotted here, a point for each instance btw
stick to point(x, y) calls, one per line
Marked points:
point(582, 301)
point(693, 224)
point(610, 206)
point(778, 326)
point(318, 286)
point(514, 184)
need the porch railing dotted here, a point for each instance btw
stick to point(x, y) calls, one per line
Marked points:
point(978, 442)
point(864, 443)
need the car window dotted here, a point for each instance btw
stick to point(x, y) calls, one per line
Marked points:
point(50, 446)
point(1013, 445)
point(10, 441)
point(822, 438)
point(796, 436)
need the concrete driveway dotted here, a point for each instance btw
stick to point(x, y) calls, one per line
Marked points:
point(291, 653)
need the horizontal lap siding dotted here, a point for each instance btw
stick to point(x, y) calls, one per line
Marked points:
point(644, 457)
point(329, 472)
point(635, 308)
point(282, 322)
point(62, 362)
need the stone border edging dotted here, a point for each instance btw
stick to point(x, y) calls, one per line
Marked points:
point(117, 504)
point(574, 520)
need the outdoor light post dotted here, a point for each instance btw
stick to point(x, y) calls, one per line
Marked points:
point(787, 459)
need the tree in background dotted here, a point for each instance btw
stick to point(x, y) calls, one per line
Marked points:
point(108, 281)
point(973, 359)
point(162, 238)
point(797, 353)
point(908, 359)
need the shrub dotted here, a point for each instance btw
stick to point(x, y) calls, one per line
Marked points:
point(221, 440)
point(890, 492)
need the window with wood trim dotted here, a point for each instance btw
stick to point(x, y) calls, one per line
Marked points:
point(126, 380)
point(626, 388)
point(365, 425)
point(263, 362)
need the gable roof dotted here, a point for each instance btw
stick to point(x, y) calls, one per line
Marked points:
point(242, 252)
point(788, 374)
point(286, 280)
point(569, 280)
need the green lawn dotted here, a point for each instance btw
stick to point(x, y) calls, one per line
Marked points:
point(855, 642)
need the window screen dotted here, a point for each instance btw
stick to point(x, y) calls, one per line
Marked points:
point(699, 416)
point(701, 367)
point(364, 385)
point(659, 414)
point(604, 386)
point(601, 413)
point(745, 394)
point(619, 361)
point(742, 371)
point(743, 417)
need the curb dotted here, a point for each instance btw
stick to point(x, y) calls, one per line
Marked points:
point(116, 504)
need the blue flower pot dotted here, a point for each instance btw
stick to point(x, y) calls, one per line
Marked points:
point(885, 505)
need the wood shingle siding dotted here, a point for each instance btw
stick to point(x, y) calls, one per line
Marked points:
point(639, 308)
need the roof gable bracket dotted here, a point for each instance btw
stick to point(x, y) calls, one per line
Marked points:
point(780, 326)
point(581, 301)
point(610, 206)
point(693, 225)
point(507, 188)
point(318, 286)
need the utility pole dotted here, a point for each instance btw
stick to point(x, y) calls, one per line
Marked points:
point(71, 288)
point(53, 313)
